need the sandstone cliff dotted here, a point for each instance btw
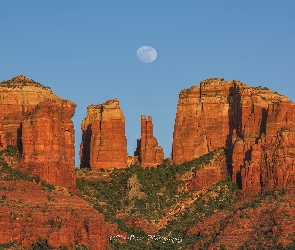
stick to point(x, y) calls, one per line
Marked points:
point(202, 120)
point(39, 123)
point(148, 151)
point(48, 143)
point(255, 124)
point(104, 144)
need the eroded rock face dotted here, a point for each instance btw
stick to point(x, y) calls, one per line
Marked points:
point(2, 139)
point(48, 143)
point(271, 165)
point(209, 174)
point(104, 144)
point(255, 124)
point(202, 120)
point(148, 152)
point(39, 123)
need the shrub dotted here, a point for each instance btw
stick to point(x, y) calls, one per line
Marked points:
point(12, 150)
point(41, 245)
point(47, 187)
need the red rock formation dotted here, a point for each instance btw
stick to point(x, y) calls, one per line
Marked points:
point(2, 139)
point(138, 223)
point(148, 151)
point(266, 225)
point(268, 143)
point(246, 120)
point(48, 143)
point(29, 214)
point(104, 144)
point(18, 98)
point(272, 164)
point(132, 160)
point(209, 174)
point(45, 140)
point(202, 120)
point(250, 170)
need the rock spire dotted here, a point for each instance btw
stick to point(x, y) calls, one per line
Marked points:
point(148, 151)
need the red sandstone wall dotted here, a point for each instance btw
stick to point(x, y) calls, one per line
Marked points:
point(249, 121)
point(104, 144)
point(48, 143)
point(61, 219)
point(202, 120)
point(39, 123)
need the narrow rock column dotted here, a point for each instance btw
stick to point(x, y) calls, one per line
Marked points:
point(148, 151)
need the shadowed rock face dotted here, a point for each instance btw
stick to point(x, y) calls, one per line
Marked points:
point(255, 124)
point(39, 123)
point(148, 151)
point(104, 144)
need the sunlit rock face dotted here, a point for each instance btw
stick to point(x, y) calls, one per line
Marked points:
point(254, 124)
point(104, 144)
point(148, 151)
point(202, 119)
point(48, 143)
point(57, 217)
point(39, 123)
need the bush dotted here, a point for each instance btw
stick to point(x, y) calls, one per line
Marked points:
point(11, 150)
point(47, 187)
point(10, 174)
point(41, 245)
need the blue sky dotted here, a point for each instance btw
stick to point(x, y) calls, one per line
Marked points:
point(86, 51)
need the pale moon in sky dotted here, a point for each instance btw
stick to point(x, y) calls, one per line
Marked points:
point(146, 54)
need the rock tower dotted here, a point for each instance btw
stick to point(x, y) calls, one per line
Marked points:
point(148, 151)
point(104, 144)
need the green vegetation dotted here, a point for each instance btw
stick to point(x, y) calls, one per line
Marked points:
point(10, 151)
point(217, 198)
point(20, 81)
point(8, 173)
point(153, 194)
point(8, 246)
point(157, 183)
point(47, 187)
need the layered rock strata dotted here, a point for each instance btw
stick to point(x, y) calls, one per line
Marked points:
point(48, 143)
point(202, 120)
point(104, 144)
point(255, 125)
point(148, 152)
point(30, 215)
point(39, 123)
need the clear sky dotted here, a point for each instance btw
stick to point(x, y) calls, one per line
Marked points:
point(86, 51)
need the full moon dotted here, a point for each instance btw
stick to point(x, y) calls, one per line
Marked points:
point(146, 54)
